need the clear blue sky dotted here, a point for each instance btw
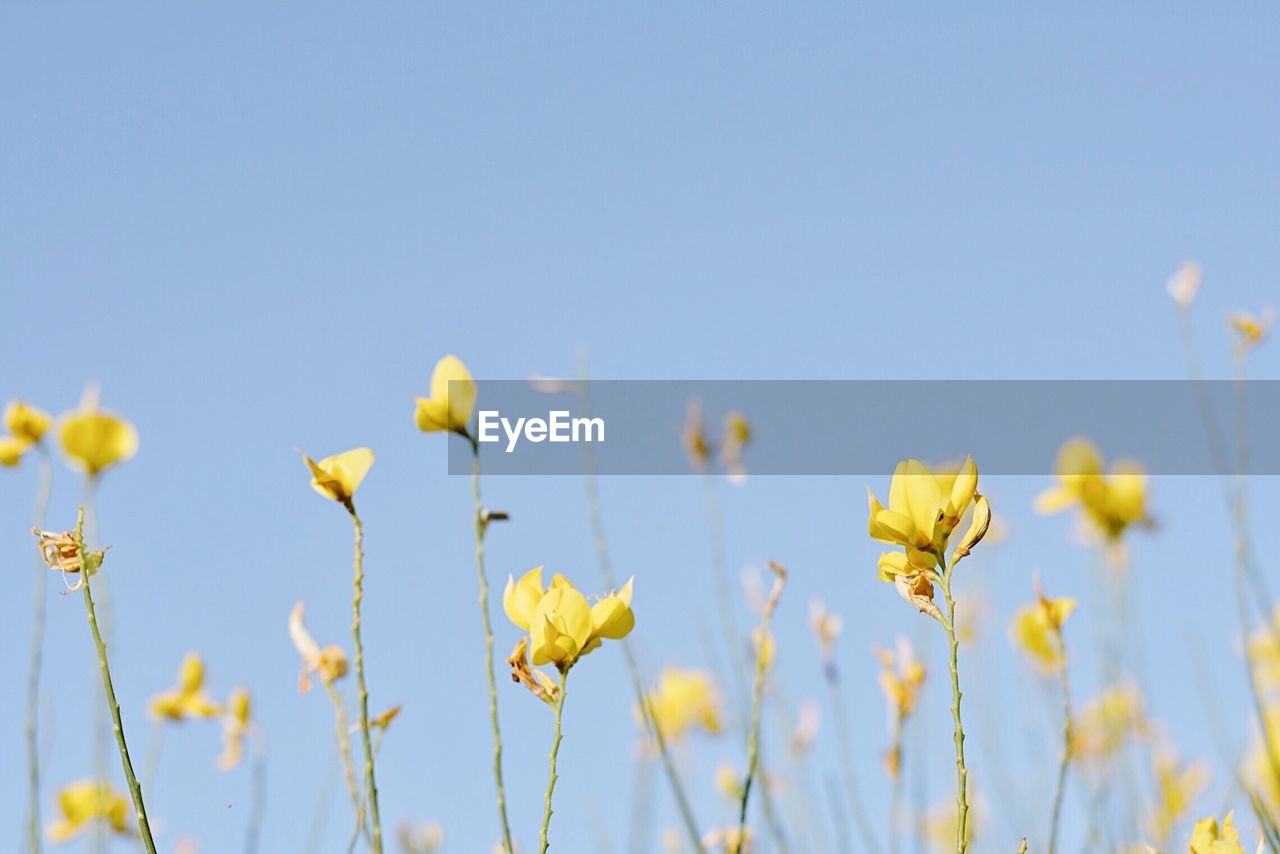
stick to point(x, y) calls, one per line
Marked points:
point(259, 227)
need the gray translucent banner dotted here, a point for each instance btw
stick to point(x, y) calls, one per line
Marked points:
point(832, 427)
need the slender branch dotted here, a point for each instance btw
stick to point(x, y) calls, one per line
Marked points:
point(37, 658)
point(555, 753)
point(348, 764)
point(895, 797)
point(762, 665)
point(357, 598)
point(652, 729)
point(1065, 763)
point(481, 524)
point(144, 828)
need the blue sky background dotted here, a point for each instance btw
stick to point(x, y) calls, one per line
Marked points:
point(259, 227)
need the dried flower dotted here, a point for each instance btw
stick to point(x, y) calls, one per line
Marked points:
point(329, 663)
point(61, 552)
point(1185, 283)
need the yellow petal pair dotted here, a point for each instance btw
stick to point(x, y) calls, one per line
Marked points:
point(684, 700)
point(188, 699)
point(453, 397)
point(338, 477)
point(95, 440)
point(26, 422)
point(85, 801)
point(1110, 501)
point(235, 726)
point(562, 625)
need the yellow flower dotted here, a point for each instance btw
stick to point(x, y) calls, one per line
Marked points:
point(11, 450)
point(1208, 838)
point(26, 422)
point(1252, 329)
point(728, 783)
point(1107, 722)
point(684, 700)
point(1037, 629)
point(562, 625)
point(825, 625)
point(901, 678)
point(1177, 787)
point(924, 508)
point(188, 699)
point(235, 726)
point(453, 397)
point(330, 663)
point(338, 477)
point(95, 440)
point(85, 801)
point(1110, 501)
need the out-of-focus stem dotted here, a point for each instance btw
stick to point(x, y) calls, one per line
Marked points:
point(1065, 763)
point(43, 491)
point(481, 526)
point(763, 654)
point(603, 561)
point(144, 828)
point(348, 764)
point(895, 794)
point(845, 746)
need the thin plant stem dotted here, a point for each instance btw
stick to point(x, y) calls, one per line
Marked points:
point(344, 752)
point(1065, 762)
point(481, 525)
point(652, 729)
point(100, 714)
point(144, 828)
point(357, 598)
point(895, 794)
point(258, 795)
point(43, 491)
point(757, 693)
point(555, 753)
point(845, 747)
point(962, 772)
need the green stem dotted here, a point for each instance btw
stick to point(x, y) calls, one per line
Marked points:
point(144, 828)
point(555, 753)
point(1065, 763)
point(895, 797)
point(962, 772)
point(481, 524)
point(596, 520)
point(357, 599)
point(37, 658)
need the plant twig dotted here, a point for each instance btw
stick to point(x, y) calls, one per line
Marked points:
point(555, 753)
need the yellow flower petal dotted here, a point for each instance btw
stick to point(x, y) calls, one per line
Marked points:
point(94, 441)
point(338, 477)
point(520, 598)
point(25, 421)
point(453, 397)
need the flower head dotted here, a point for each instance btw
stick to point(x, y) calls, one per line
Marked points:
point(338, 477)
point(682, 701)
point(1037, 630)
point(188, 698)
point(26, 422)
point(235, 726)
point(1251, 330)
point(924, 508)
point(453, 397)
point(1107, 722)
point(85, 801)
point(1209, 838)
point(901, 678)
point(1177, 787)
point(1109, 501)
point(11, 450)
point(826, 626)
point(1185, 283)
point(562, 625)
point(62, 553)
point(329, 663)
point(93, 439)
